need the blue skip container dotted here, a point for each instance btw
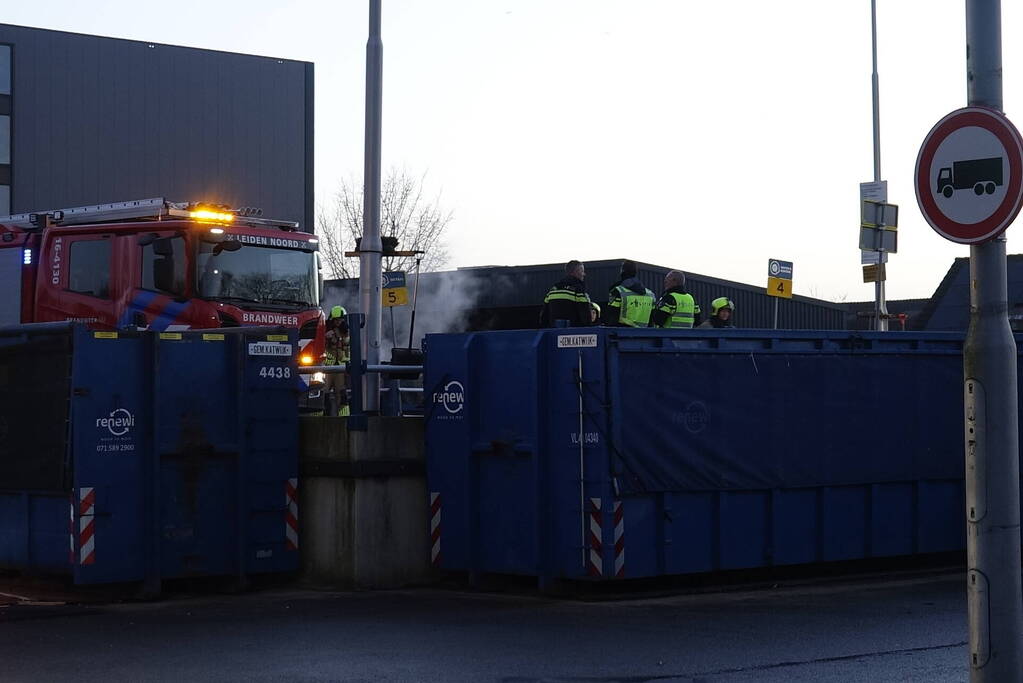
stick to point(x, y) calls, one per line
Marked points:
point(145, 456)
point(615, 453)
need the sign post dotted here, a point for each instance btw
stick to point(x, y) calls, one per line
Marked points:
point(393, 289)
point(968, 185)
point(879, 221)
point(779, 283)
point(877, 190)
point(393, 292)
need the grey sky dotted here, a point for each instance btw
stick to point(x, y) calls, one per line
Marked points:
point(706, 136)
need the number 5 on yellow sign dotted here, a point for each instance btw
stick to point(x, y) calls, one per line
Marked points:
point(396, 296)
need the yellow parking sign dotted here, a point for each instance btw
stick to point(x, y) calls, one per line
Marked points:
point(779, 278)
point(393, 291)
point(777, 286)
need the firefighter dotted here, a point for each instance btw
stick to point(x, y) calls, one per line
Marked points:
point(338, 351)
point(629, 303)
point(721, 310)
point(567, 299)
point(676, 309)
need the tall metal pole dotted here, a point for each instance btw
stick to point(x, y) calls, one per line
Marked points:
point(995, 600)
point(880, 307)
point(370, 246)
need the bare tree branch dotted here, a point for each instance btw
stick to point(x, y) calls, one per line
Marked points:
point(418, 223)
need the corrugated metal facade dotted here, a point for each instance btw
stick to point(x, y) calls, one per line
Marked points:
point(99, 120)
point(949, 308)
point(509, 297)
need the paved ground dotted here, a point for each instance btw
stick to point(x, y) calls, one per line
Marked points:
point(904, 630)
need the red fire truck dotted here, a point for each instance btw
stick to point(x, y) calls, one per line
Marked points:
point(162, 266)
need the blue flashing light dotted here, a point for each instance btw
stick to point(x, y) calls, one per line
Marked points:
point(27, 257)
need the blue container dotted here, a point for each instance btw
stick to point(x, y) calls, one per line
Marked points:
point(609, 453)
point(146, 456)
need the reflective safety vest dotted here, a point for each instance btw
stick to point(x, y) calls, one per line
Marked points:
point(634, 308)
point(338, 353)
point(558, 294)
point(681, 310)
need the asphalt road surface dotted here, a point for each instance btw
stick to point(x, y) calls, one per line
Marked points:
point(911, 629)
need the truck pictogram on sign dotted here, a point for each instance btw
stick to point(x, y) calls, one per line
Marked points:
point(980, 175)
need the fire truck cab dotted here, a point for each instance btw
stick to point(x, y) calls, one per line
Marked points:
point(164, 266)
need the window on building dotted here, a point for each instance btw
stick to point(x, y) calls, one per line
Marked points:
point(89, 268)
point(5, 69)
point(5, 140)
point(163, 266)
point(6, 109)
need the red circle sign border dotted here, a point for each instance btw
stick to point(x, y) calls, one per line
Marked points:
point(998, 125)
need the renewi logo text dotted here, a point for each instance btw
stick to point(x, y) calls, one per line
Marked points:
point(452, 398)
point(119, 423)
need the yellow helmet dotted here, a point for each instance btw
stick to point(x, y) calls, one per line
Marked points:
point(719, 303)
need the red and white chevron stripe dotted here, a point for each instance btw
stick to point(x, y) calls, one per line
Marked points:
point(87, 525)
point(619, 518)
point(435, 528)
point(291, 514)
point(596, 539)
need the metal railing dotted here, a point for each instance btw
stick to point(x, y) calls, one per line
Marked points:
point(356, 369)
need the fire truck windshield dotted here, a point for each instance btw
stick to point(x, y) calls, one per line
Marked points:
point(256, 274)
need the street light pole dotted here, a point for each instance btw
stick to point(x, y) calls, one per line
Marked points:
point(370, 245)
point(994, 598)
point(880, 307)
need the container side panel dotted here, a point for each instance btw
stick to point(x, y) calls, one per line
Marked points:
point(14, 530)
point(567, 521)
point(268, 410)
point(504, 434)
point(198, 515)
point(744, 529)
point(638, 551)
point(49, 532)
point(197, 430)
point(710, 421)
point(110, 419)
point(34, 532)
point(941, 508)
point(892, 519)
point(35, 382)
point(796, 525)
point(844, 517)
point(448, 395)
point(694, 531)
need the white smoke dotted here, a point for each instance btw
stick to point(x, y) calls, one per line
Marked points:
point(445, 302)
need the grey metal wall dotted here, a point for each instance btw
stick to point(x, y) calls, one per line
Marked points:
point(98, 120)
point(511, 297)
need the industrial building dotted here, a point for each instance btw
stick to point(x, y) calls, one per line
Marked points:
point(948, 309)
point(510, 297)
point(90, 120)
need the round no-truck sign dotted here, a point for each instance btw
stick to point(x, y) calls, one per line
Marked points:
point(969, 175)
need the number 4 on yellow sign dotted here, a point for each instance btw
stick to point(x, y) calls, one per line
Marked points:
point(777, 286)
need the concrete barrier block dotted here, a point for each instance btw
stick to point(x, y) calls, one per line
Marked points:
point(364, 501)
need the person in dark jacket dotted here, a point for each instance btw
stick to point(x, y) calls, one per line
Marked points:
point(567, 299)
point(721, 310)
point(629, 302)
point(676, 309)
